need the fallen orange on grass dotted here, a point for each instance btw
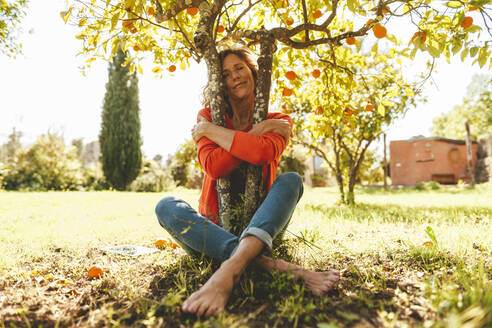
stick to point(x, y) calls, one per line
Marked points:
point(95, 272)
point(164, 243)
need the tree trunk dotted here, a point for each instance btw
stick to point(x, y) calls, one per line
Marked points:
point(385, 169)
point(471, 169)
point(204, 42)
point(254, 179)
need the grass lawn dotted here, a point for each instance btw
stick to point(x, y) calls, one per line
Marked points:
point(407, 258)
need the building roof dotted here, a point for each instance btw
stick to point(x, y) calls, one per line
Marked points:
point(422, 138)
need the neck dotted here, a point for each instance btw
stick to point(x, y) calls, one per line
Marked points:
point(243, 112)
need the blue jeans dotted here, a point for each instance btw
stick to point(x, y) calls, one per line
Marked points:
point(197, 235)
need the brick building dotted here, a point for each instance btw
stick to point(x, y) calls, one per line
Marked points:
point(429, 159)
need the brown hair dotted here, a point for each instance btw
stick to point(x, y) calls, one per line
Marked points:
point(245, 54)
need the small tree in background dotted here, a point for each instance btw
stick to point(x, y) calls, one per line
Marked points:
point(120, 132)
point(47, 165)
point(475, 107)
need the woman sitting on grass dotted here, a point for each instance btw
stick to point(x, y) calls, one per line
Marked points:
point(221, 151)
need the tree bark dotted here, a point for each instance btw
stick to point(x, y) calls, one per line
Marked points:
point(471, 169)
point(205, 44)
point(253, 188)
point(385, 169)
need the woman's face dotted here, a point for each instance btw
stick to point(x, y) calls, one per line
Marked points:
point(238, 78)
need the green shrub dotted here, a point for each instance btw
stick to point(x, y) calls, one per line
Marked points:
point(94, 178)
point(47, 165)
point(152, 179)
point(434, 185)
point(420, 185)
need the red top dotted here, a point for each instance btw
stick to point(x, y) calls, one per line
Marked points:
point(217, 163)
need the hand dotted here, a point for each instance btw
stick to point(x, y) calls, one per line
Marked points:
point(199, 130)
point(280, 127)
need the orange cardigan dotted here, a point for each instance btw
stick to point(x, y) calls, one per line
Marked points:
point(264, 150)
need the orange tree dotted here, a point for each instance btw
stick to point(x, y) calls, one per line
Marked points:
point(282, 31)
point(369, 92)
point(11, 13)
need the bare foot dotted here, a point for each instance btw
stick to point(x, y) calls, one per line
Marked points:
point(320, 282)
point(317, 282)
point(212, 297)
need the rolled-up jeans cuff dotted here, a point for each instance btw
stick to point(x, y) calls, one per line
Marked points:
point(258, 233)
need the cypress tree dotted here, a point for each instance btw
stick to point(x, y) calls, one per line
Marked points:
point(120, 129)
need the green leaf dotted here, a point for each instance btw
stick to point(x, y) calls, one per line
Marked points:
point(433, 51)
point(430, 232)
point(454, 4)
point(473, 51)
point(482, 57)
point(457, 44)
point(381, 110)
point(464, 53)
point(65, 15)
point(114, 19)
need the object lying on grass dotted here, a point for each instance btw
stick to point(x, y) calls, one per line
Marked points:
point(129, 250)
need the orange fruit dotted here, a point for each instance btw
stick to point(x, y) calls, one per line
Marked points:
point(161, 243)
point(150, 11)
point(290, 75)
point(133, 30)
point(316, 73)
point(317, 14)
point(369, 108)
point(319, 110)
point(95, 272)
point(192, 11)
point(136, 48)
point(220, 29)
point(420, 35)
point(171, 68)
point(467, 22)
point(345, 121)
point(303, 39)
point(289, 21)
point(187, 54)
point(347, 112)
point(127, 23)
point(385, 10)
point(369, 22)
point(287, 92)
point(350, 40)
point(379, 31)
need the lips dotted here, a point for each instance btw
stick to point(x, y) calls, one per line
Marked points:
point(238, 85)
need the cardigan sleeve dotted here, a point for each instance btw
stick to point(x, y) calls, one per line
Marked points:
point(259, 150)
point(214, 160)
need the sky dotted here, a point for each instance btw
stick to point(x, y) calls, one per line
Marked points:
point(44, 90)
